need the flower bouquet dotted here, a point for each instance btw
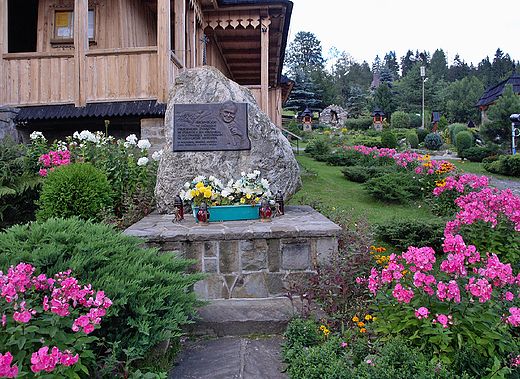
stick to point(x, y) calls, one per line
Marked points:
point(225, 200)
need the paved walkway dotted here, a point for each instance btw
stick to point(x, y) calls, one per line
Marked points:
point(229, 358)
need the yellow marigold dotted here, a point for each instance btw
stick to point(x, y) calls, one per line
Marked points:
point(361, 324)
point(362, 330)
point(355, 319)
point(368, 317)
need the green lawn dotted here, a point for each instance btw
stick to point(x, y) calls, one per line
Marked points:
point(331, 186)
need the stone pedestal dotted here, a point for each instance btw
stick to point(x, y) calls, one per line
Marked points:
point(248, 258)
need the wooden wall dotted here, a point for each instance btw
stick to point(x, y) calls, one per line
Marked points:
point(275, 103)
point(119, 24)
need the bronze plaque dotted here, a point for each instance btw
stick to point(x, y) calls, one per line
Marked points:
point(205, 127)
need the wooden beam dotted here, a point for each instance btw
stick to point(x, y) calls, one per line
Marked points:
point(180, 30)
point(264, 64)
point(80, 50)
point(163, 49)
point(3, 50)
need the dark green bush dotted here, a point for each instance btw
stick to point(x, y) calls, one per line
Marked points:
point(455, 129)
point(347, 158)
point(478, 153)
point(417, 232)
point(77, 189)
point(421, 134)
point(412, 139)
point(395, 187)
point(363, 123)
point(19, 188)
point(367, 141)
point(318, 146)
point(463, 141)
point(301, 333)
point(360, 174)
point(150, 291)
point(508, 165)
point(433, 141)
point(400, 119)
point(388, 139)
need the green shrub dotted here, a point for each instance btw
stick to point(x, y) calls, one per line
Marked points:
point(433, 141)
point(400, 119)
point(77, 189)
point(463, 141)
point(478, 153)
point(346, 158)
point(421, 134)
point(360, 174)
point(150, 291)
point(367, 141)
point(19, 187)
point(412, 139)
point(455, 129)
point(301, 333)
point(508, 165)
point(395, 187)
point(416, 232)
point(293, 127)
point(388, 139)
point(363, 123)
point(318, 146)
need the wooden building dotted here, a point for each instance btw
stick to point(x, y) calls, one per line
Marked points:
point(68, 65)
point(491, 94)
point(379, 117)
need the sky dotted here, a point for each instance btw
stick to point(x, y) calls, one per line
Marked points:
point(366, 28)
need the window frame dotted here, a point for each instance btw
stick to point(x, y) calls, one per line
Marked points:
point(57, 41)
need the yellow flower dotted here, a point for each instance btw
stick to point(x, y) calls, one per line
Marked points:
point(361, 324)
point(207, 194)
point(368, 317)
point(248, 196)
point(355, 319)
point(374, 318)
point(362, 330)
point(198, 185)
point(193, 193)
point(243, 200)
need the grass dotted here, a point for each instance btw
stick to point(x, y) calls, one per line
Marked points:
point(333, 188)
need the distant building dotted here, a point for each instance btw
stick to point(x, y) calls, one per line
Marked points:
point(378, 116)
point(493, 93)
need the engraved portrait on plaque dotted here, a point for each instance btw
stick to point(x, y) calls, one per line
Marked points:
point(206, 127)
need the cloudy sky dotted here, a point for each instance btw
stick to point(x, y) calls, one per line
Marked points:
point(366, 28)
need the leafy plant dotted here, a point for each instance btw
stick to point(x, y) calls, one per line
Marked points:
point(463, 141)
point(394, 187)
point(433, 141)
point(360, 174)
point(412, 139)
point(388, 139)
point(400, 119)
point(479, 153)
point(150, 291)
point(421, 134)
point(77, 189)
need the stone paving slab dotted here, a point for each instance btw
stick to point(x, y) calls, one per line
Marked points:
point(230, 357)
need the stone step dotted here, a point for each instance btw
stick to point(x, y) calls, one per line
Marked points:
point(241, 317)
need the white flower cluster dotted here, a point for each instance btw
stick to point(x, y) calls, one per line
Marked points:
point(156, 156)
point(37, 135)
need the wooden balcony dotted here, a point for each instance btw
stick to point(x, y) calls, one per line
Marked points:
point(109, 75)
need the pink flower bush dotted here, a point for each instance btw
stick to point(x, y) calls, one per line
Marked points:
point(53, 160)
point(19, 290)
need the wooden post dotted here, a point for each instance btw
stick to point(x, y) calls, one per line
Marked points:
point(3, 50)
point(264, 62)
point(163, 49)
point(180, 30)
point(80, 49)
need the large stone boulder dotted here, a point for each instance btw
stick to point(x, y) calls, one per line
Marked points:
point(270, 152)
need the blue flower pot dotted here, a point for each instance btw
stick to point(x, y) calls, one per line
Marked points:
point(230, 212)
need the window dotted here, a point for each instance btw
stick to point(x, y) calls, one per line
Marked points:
point(64, 26)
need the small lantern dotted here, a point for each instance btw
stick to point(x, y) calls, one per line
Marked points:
point(203, 214)
point(178, 209)
point(279, 203)
point(265, 211)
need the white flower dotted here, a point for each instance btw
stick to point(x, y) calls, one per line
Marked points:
point(226, 192)
point(86, 135)
point(242, 173)
point(156, 156)
point(251, 176)
point(144, 144)
point(62, 146)
point(142, 161)
point(75, 135)
point(264, 183)
point(131, 139)
point(199, 179)
point(37, 135)
point(187, 185)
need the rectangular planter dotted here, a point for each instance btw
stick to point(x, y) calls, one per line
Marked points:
point(230, 212)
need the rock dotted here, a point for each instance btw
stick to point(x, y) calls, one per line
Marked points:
point(335, 115)
point(270, 152)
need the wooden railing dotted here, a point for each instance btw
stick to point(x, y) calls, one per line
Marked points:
point(38, 78)
point(110, 75)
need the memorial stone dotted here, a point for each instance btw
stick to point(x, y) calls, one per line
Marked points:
point(249, 142)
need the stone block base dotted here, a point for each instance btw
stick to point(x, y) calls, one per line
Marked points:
point(244, 259)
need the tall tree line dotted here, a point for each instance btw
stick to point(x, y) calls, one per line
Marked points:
point(390, 83)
